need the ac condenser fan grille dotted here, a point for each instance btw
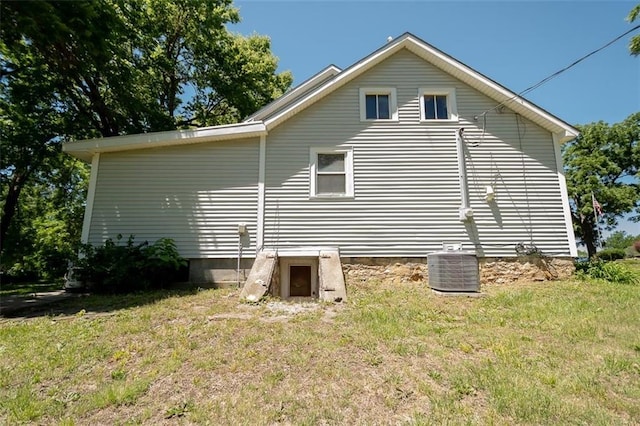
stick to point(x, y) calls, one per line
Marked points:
point(453, 271)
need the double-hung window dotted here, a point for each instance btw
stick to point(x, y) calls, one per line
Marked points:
point(331, 173)
point(378, 103)
point(438, 104)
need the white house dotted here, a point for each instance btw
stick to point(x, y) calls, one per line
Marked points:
point(390, 158)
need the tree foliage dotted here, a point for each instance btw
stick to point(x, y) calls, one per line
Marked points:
point(621, 240)
point(82, 69)
point(603, 161)
point(634, 44)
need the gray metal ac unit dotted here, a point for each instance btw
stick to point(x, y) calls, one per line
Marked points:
point(453, 271)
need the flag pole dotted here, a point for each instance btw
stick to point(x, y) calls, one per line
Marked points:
point(595, 205)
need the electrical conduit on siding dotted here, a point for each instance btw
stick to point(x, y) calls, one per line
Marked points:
point(466, 213)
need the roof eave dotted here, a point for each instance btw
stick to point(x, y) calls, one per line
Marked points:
point(283, 100)
point(338, 81)
point(85, 149)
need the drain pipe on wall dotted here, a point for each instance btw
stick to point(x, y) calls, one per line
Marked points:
point(242, 230)
point(465, 212)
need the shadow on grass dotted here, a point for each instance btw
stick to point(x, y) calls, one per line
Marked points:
point(24, 289)
point(71, 303)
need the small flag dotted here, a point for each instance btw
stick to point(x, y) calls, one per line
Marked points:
point(597, 208)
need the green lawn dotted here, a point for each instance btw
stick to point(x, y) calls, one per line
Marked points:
point(633, 264)
point(554, 353)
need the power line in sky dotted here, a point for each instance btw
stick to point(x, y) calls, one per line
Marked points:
point(557, 73)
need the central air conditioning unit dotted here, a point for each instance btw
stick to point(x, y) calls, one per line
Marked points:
point(453, 271)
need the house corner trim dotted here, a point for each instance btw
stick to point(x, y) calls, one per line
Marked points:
point(557, 142)
point(91, 193)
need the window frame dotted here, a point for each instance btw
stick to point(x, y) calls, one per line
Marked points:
point(452, 105)
point(393, 102)
point(313, 172)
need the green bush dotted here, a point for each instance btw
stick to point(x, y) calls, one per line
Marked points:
point(115, 268)
point(610, 271)
point(611, 254)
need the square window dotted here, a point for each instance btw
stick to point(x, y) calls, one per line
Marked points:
point(331, 173)
point(378, 104)
point(377, 107)
point(438, 104)
point(435, 107)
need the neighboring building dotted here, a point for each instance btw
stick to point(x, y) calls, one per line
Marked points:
point(403, 151)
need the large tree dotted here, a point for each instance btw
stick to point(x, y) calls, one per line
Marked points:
point(79, 69)
point(603, 163)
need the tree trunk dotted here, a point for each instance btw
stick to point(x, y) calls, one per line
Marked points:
point(588, 236)
point(11, 203)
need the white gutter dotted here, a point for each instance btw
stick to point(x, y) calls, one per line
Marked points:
point(261, 193)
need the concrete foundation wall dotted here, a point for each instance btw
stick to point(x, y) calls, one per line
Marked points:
point(218, 271)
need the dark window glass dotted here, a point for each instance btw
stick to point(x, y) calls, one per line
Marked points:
point(331, 162)
point(429, 107)
point(331, 184)
point(441, 106)
point(372, 107)
point(435, 107)
point(383, 107)
point(377, 107)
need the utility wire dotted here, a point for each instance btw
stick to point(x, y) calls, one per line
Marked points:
point(557, 73)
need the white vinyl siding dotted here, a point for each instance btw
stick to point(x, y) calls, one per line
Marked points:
point(406, 188)
point(195, 194)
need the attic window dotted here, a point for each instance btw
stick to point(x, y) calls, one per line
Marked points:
point(331, 173)
point(438, 104)
point(378, 103)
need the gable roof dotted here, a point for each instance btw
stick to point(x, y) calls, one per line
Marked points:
point(319, 86)
point(442, 61)
point(295, 93)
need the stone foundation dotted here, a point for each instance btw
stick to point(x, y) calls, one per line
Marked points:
point(492, 270)
point(525, 269)
point(222, 272)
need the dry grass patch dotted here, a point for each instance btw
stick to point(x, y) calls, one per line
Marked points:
point(555, 353)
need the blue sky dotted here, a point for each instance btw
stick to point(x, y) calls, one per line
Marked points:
point(516, 43)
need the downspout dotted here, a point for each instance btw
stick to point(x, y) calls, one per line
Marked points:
point(465, 212)
point(261, 193)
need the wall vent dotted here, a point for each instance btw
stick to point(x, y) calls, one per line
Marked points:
point(453, 271)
